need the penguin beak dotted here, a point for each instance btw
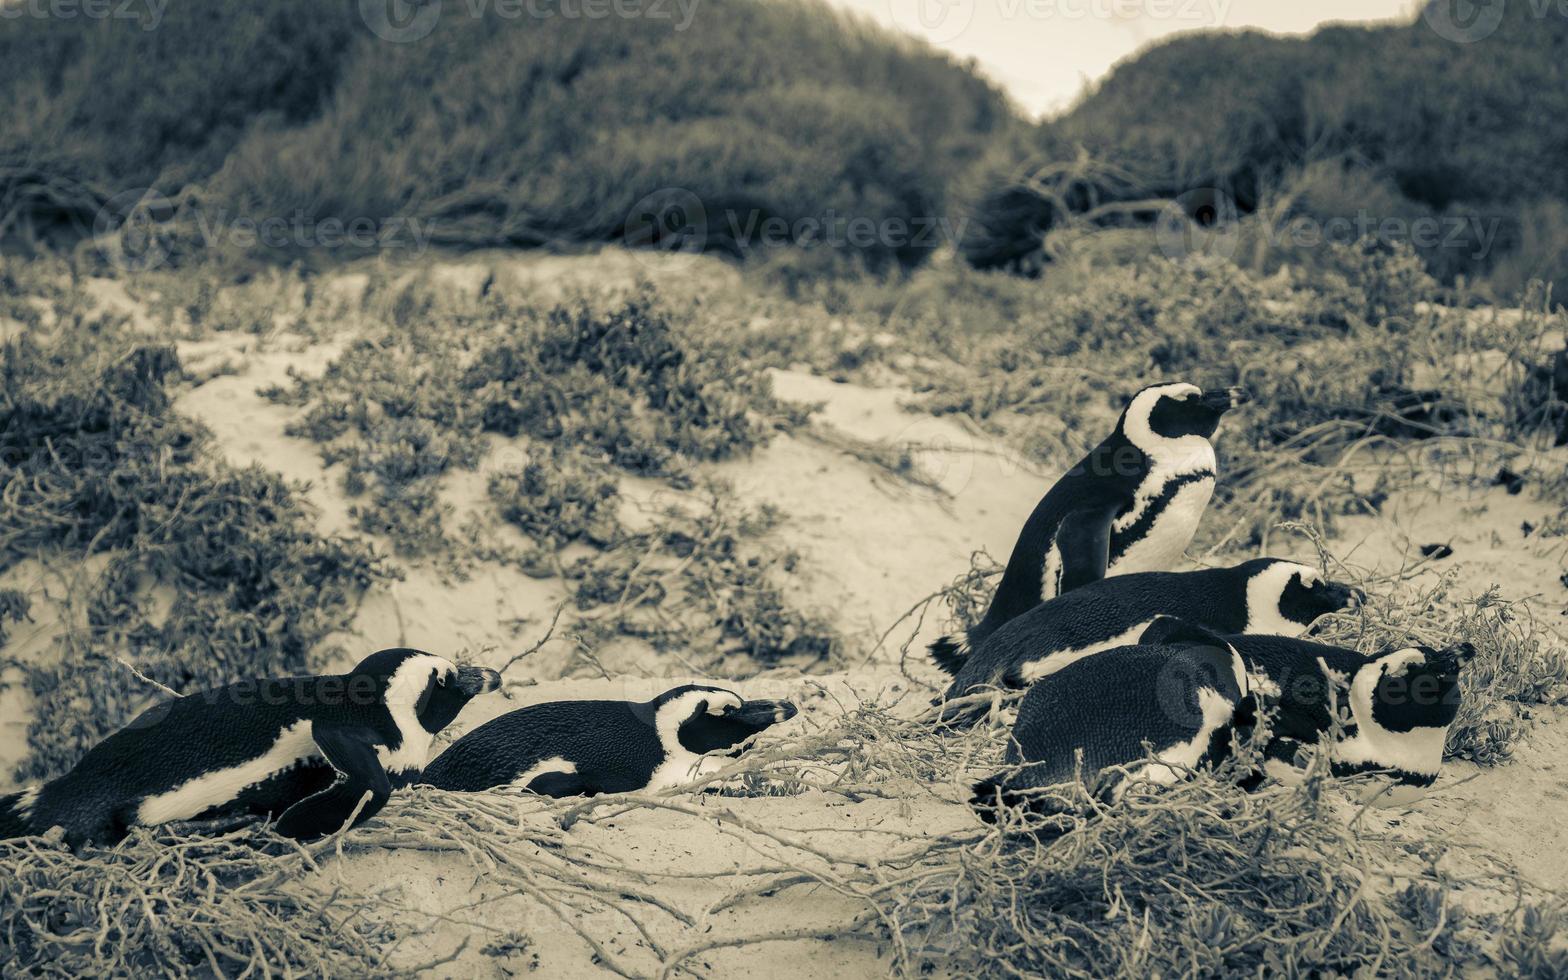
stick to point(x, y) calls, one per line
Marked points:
point(1345, 597)
point(1450, 660)
point(1224, 400)
point(762, 714)
point(474, 681)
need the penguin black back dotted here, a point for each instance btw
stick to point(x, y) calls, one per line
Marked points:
point(1132, 504)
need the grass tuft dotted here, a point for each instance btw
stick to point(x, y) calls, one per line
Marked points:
point(208, 574)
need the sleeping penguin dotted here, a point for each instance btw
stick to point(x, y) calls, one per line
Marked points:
point(1131, 505)
point(302, 750)
point(1180, 689)
point(583, 748)
point(1264, 595)
point(1401, 704)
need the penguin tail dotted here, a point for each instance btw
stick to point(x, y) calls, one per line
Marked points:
point(1022, 809)
point(949, 653)
point(16, 814)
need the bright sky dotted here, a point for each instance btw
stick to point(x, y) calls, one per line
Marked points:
point(1044, 52)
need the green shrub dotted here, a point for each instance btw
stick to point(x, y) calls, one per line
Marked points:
point(703, 581)
point(103, 105)
point(625, 386)
point(97, 463)
point(1542, 253)
point(552, 128)
point(1246, 113)
point(558, 499)
point(625, 383)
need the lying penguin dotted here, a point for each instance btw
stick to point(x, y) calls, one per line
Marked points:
point(583, 748)
point(1189, 694)
point(1264, 595)
point(1180, 689)
point(1131, 505)
point(303, 750)
point(1401, 704)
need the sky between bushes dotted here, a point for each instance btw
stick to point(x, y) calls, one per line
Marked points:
point(1043, 52)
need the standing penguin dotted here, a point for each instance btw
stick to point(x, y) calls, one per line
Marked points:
point(1131, 505)
point(583, 748)
point(1180, 689)
point(304, 750)
point(1401, 704)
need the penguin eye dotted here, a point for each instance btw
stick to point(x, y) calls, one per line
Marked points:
point(440, 679)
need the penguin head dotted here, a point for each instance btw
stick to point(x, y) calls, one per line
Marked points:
point(1401, 705)
point(1284, 598)
point(433, 687)
point(701, 719)
point(1172, 414)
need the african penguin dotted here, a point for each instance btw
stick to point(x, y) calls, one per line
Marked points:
point(1180, 690)
point(1131, 505)
point(1401, 703)
point(1264, 595)
point(583, 748)
point(303, 750)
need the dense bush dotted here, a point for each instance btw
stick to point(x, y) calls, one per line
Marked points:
point(96, 463)
point(102, 105)
point(623, 387)
point(702, 578)
point(558, 499)
point(1415, 124)
point(497, 129)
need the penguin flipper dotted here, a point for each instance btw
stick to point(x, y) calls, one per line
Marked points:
point(559, 784)
point(1083, 539)
point(1173, 630)
point(351, 751)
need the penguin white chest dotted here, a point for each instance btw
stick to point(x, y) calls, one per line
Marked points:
point(294, 745)
point(680, 768)
point(1163, 544)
